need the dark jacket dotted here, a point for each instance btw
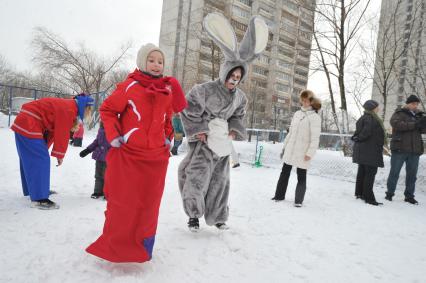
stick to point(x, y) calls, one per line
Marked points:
point(369, 139)
point(406, 137)
point(99, 146)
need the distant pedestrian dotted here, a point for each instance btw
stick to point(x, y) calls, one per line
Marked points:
point(408, 125)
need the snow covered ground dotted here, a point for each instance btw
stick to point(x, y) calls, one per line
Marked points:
point(333, 238)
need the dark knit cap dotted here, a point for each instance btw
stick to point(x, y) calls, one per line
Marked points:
point(370, 105)
point(412, 98)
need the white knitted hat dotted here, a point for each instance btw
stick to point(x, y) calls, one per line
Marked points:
point(143, 54)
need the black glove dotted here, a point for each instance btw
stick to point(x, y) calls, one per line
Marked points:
point(421, 123)
point(84, 152)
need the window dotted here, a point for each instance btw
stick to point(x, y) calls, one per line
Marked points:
point(245, 2)
point(240, 26)
point(306, 25)
point(237, 11)
point(283, 76)
point(259, 84)
point(305, 35)
point(286, 52)
point(282, 87)
point(301, 73)
point(290, 17)
point(263, 59)
point(300, 82)
point(284, 65)
point(260, 70)
point(290, 5)
point(286, 40)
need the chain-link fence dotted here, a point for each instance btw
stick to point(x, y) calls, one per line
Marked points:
point(329, 161)
point(13, 97)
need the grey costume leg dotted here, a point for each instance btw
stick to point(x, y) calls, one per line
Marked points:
point(194, 175)
point(204, 184)
point(217, 210)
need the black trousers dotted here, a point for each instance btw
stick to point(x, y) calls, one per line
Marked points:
point(77, 142)
point(99, 177)
point(283, 183)
point(364, 182)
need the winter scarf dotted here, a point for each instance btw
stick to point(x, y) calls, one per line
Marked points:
point(162, 85)
point(378, 119)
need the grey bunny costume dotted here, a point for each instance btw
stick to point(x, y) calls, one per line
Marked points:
point(215, 111)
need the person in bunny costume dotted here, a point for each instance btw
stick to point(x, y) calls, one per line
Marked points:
point(213, 118)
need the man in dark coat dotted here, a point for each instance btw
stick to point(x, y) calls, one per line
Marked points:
point(408, 124)
point(369, 139)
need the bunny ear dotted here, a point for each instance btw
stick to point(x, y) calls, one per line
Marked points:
point(222, 33)
point(255, 39)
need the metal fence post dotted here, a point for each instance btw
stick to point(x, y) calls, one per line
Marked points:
point(10, 105)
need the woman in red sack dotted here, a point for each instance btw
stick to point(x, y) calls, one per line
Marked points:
point(40, 124)
point(137, 122)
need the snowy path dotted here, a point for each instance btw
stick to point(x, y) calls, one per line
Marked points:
point(333, 238)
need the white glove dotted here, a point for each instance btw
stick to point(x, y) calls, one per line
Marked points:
point(117, 141)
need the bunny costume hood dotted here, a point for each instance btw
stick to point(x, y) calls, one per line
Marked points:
point(251, 46)
point(216, 111)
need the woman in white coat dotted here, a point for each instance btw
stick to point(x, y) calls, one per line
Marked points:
point(300, 146)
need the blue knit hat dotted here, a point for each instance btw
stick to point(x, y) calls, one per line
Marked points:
point(83, 101)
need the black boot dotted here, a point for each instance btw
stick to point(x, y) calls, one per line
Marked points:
point(193, 224)
point(388, 197)
point(411, 200)
point(97, 195)
point(374, 203)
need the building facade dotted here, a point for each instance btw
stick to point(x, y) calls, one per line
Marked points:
point(274, 80)
point(400, 67)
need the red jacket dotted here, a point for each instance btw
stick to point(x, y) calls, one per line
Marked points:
point(79, 133)
point(140, 110)
point(48, 117)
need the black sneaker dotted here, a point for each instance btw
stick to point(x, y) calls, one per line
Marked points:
point(388, 197)
point(236, 165)
point(193, 224)
point(411, 200)
point(221, 226)
point(277, 199)
point(45, 204)
point(97, 195)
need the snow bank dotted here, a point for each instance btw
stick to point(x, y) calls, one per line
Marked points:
point(333, 238)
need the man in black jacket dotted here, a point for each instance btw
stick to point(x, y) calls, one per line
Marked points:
point(408, 124)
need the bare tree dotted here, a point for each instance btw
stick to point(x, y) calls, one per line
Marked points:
point(78, 70)
point(336, 32)
point(388, 45)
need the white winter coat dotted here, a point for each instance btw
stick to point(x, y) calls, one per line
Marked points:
point(303, 138)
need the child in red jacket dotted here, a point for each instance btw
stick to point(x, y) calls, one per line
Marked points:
point(137, 121)
point(77, 137)
point(40, 124)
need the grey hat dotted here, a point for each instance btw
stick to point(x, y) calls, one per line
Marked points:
point(143, 54)
point(370, 105)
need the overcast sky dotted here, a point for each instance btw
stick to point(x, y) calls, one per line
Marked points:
point(102, 25)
